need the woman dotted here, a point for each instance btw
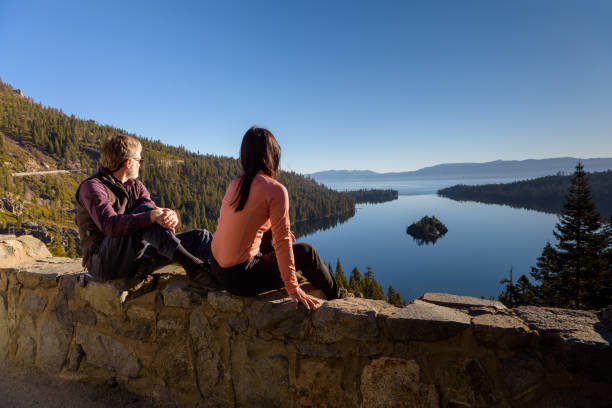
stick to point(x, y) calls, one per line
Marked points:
point(256, 204)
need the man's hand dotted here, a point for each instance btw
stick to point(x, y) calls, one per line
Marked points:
point(309, 302)
point(165, 217)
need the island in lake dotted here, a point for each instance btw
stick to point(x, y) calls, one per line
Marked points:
point(427, 230)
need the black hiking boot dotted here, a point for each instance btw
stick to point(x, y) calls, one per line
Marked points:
point(200, 277)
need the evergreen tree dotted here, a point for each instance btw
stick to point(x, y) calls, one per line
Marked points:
point(371, 287)
point(339, 276)
point(521, 293)
point(356, 281)
point(395, 298)
point(571, 274)
point(605, 294)
point(71, 250)
point(56, 247)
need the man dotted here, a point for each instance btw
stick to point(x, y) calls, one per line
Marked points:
point(123, 232)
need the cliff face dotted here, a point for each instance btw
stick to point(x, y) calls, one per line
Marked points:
point(217, 349)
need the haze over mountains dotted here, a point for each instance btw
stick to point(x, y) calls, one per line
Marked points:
point(495, 169)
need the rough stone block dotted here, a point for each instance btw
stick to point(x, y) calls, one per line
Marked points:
point(573, 397)
point(251, 357)
point(173, 365)
point(522, 372)
point(138, 312)
point(422, 321)
point(26, 345)
point(75, 358)
point(170, 327)
point(348, 319)
point(34, 277)
point(106, 352)
point(134, 328)
point(4, 329)
point(509, 331)
point(33, 304)
point(105, 297)
point(463, 381)
point(571, 326)
point(3, 281)
point(86, 315)
point(29, 280)
point(214, 376)
point(393, 382)
point(319, 384)
point(225, 302)
point(54, 344)
point(460, 302)
point(313, 349)
point(270, 311)
point(178, 295)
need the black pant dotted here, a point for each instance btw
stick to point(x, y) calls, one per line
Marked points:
point(119, 257)
point(261, 273)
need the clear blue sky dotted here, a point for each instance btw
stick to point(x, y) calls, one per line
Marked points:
point(379, 85)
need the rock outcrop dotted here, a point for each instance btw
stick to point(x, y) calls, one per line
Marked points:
point(215, 349)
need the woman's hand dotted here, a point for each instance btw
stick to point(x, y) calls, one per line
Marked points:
point(309, 302)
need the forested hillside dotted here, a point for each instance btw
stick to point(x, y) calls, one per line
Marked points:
point(542, 194)
point(38, 138)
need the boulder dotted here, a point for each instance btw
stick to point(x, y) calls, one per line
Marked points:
point(21, 250)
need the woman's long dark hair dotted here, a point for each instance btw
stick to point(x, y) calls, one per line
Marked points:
point(259, 151)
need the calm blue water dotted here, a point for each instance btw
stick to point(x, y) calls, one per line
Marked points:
point(483, 242)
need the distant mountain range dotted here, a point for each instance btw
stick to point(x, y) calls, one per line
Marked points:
point(496, 169)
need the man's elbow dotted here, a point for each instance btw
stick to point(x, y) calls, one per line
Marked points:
point(111, 230)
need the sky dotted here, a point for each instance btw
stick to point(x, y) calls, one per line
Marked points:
point(378, 85)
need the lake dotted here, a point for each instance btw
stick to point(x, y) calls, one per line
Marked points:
point(483, 242)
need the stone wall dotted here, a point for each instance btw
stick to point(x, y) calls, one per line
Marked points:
point(213, 349)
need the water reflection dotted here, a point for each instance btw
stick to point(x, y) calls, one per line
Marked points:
point(303, 228)
point(427, 230)
point(425, 240)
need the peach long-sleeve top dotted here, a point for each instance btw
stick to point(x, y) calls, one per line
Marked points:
point(238, 234)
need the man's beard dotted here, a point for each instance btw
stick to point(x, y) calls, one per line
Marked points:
point(132, 174)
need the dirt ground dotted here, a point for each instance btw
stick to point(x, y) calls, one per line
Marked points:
point(28, 387)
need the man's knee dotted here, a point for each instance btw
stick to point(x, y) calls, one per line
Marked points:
point(142, 208)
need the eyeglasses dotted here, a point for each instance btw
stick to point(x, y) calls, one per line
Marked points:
point(140, 160)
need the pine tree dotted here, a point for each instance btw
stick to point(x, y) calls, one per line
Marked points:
point(395, 298)
point(371, 287)
point(521, 293)
point(56, 247)
point(570, 275)
point(356, 281)
point(605, 294)
point(71, 247)
point(339, 276)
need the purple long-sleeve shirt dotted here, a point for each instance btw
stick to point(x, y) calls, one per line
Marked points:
point(94, 197)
